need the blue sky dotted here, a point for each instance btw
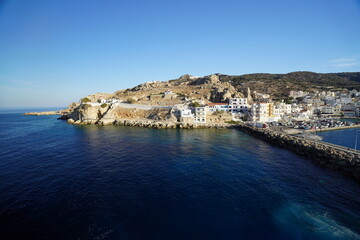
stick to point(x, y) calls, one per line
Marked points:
point(55, 52)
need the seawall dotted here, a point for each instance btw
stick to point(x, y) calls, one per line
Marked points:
point(165, 124)
point(342, 160)
point(146, 123)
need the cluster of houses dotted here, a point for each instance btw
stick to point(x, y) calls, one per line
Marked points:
point(331, 104)
point(300, 106)
point(239, 108)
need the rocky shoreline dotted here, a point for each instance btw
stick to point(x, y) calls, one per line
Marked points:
point(344, 161)
point(153, 124)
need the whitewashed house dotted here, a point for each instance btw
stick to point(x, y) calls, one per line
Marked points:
point(260, 112)
point(238, 105)
point(168, 92)
point(213, 107)
point(200, 115)
point(112, 101)
point(186, 113)
point(279, 110)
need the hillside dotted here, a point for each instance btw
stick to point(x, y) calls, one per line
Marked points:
point(155, 100)
point(220, 87)
point(278, 85)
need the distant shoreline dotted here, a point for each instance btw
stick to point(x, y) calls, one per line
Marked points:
point(56, 112)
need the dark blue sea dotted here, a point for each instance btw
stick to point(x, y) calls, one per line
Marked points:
point(60, 181)
point(345, 137)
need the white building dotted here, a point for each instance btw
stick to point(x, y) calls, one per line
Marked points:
point(326, 109)
point(260, 112)
point(238, 105)
point(168, 92)
point(302, 115)
point(112, 100)
point(279, 110)
point(344, 100)
point(186, 113)
point(102, 100)
point(213, 107)
point(296, 94)
point(200, 115)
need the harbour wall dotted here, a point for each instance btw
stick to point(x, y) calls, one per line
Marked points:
point(160, 125)
point(152, 124)
point(344, 160)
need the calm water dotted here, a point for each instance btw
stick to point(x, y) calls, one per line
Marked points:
point(59, 181)
point(346, 137)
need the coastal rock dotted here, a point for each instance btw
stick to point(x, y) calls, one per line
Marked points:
point(106, 122)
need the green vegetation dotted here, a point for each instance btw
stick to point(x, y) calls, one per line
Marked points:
point(299, 99)
point(195, 104)
point(131, 100)
point(85, 100)
point(104, 105)
point(288, 100)
point(279, 85)
point(232, 122)
point(86, 106)
point(218, 112)
point(182, 95)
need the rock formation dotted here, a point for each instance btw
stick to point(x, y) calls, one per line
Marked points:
point(248, 96)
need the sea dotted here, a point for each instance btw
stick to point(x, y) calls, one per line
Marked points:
point(61, 181)
point(349, 138)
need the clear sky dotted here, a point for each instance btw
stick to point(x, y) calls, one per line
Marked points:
point(55, 52)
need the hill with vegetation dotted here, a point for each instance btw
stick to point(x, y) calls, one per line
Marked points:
point(280, 84)
point(221, 87)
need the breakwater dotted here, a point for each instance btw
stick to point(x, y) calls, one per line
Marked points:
point(160, 125)
point(152, 124)
point(332, 156)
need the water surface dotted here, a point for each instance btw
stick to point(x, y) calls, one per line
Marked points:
point(60, 181)
point(344, 137)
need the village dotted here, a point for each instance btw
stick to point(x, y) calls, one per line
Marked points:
point(300, 109)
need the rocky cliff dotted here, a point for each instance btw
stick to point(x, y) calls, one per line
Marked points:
point(212, 88)
point(88, 114)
